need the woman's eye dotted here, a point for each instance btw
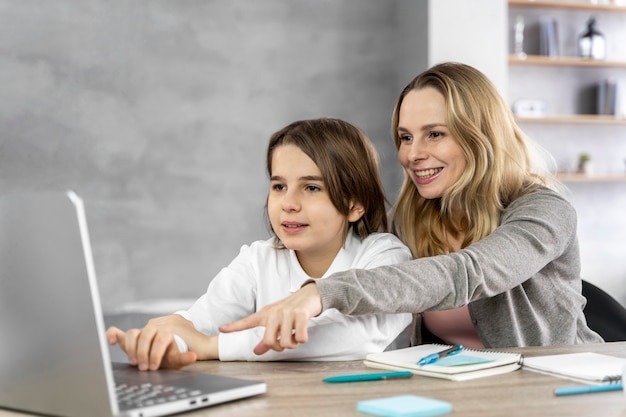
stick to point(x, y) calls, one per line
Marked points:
point(434, 136)
point(278, 187)
point(405, 138)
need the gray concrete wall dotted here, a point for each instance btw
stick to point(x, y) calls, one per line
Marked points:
point(158, 114)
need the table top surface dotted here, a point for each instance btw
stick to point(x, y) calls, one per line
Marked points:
point(296, 388)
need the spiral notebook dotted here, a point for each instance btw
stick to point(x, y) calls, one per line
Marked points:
point(468, 364)
point(588, 367)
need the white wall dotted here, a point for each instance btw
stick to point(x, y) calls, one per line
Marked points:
point(468, 31)
point(472, 32)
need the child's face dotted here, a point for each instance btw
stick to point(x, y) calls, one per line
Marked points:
point(428, 152)
point(300, 210)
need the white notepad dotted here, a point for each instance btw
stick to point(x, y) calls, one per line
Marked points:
point(469, 364)
point(594, 368)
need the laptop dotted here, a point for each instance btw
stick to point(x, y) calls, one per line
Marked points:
point(54, 358)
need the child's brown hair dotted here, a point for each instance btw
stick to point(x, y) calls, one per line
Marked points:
point(349, 165)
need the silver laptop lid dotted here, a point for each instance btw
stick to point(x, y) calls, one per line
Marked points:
point(53, 360)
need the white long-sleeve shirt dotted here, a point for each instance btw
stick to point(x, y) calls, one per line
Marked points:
point(262, 274)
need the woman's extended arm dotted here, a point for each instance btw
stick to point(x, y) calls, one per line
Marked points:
point(535, 230)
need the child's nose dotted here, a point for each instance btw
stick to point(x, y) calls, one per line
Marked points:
point(291, 201)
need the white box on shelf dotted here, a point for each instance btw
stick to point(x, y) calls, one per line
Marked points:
point(529, 108)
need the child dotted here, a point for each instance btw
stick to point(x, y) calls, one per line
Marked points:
point(325, 207)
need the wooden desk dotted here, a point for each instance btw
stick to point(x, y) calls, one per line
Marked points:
point(296, 389)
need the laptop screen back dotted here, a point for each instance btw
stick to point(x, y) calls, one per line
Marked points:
point(53, 359)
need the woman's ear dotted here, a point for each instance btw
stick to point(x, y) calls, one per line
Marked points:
point(356, 211)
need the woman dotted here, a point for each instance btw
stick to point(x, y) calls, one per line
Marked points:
point(497, 260)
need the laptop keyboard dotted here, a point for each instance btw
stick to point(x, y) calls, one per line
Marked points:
point(147, 394)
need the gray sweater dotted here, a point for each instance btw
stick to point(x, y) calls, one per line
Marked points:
point(521, 283)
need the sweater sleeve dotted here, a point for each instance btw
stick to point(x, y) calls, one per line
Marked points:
point(535, 229)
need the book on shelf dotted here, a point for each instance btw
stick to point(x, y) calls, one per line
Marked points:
point(588, 367)
point(548, 36)
point(611, 97)
point(468, 364)
point(620, 98)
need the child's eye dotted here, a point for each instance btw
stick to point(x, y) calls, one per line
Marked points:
point(313, 188)
point(278, 187)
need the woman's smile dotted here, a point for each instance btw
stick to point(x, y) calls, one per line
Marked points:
point(427, 175)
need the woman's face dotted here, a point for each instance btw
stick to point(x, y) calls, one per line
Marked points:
point(428, 152)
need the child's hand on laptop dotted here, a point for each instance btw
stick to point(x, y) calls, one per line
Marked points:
point(155, 347)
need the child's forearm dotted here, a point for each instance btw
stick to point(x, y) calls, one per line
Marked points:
point(206, 347)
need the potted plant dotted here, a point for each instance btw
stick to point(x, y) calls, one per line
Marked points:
point(584, 164)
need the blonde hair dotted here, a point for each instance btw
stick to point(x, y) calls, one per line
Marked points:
point(499, 164)
point(349, 165)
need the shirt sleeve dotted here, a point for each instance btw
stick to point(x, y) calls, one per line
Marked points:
point(230, 296)
point(535, 230)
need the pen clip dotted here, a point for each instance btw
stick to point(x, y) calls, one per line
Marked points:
point(434, 357)
point(457, 349)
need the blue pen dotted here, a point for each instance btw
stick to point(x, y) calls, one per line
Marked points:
point(434, 357)
point(587, 389)
point(368, 377)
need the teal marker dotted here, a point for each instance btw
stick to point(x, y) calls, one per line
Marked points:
point(589, 389)
point(368, 377)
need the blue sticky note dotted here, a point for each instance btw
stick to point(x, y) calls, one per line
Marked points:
point(404, 406)
point(461, 360)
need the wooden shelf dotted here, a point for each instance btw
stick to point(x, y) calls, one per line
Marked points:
point(568, 5)
point(573, 119)
point(590, 178)
point(570, 61)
